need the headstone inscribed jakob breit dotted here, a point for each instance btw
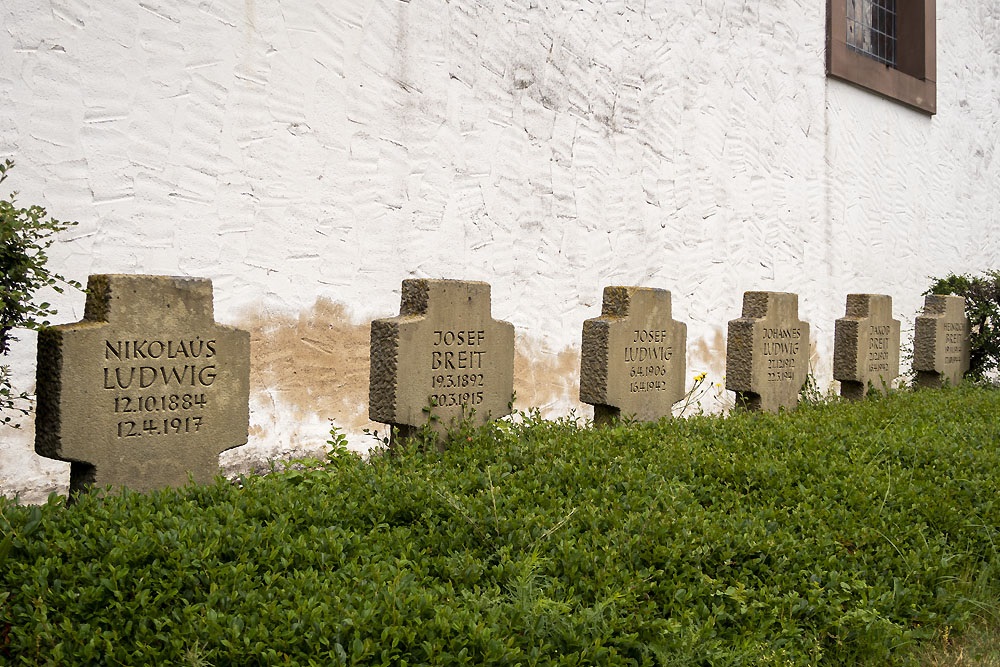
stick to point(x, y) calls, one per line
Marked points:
point(866, 345)
point(767, 354)
point(147, 389)
point(632, 358)
point(442, 358)
point(941, 341)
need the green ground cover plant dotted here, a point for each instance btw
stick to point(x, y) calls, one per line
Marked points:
point(839, 534)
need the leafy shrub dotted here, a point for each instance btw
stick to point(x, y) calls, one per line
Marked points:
point(25, 236)
point(982, 307)
point(837, 534)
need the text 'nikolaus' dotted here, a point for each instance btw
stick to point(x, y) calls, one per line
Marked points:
point(147, 375)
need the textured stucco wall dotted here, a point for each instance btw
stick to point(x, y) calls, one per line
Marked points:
point(308, 156)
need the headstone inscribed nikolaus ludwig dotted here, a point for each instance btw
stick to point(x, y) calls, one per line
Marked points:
point(941, 343)
point(767, 353)
point(632, 358)
point(866, 345)
point(147, 390)
point(443, 358)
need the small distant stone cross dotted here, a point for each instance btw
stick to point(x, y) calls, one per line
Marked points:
point(866, 345)
point(146, 391)
point(442, 359)
point(632, 359)
point(767, 353)
point(941, 341)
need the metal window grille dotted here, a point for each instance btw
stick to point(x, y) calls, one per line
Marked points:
point(871, 29)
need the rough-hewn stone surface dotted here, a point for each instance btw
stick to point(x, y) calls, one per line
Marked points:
point(866, 345)
point(147, 390)
point(941, 341)
point(443, 358)
point(767, 353)
point(632, 360)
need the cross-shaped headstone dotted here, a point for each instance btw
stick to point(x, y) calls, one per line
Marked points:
point(866, 345)
point(767, 353)
point(444, 358)
point(941, 341)
point(146, 391)
point(633, 356)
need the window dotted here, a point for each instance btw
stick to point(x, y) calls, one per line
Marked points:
point(871, 29)
point(886, 46)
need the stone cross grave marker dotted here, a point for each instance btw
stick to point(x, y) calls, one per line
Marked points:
point(146, 390)
point(443, 358)
point(632, 359)
point(941, 341)
point(767, 353)
point(866, 345)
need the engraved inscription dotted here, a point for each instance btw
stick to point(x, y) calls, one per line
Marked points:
point(148, 376)
point(132, 429)
point(646, 358)
point(780, 345)
point(954, 332)
point(457, 364)
point(163, 403)
point(878, 348)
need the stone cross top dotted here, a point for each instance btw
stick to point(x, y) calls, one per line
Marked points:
point(767, 353)
point(632, 360)
point(443, 358)
point(146, 391)
point(866, 345)
point(941, 341)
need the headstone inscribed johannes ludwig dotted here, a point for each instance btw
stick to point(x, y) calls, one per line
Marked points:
point(147, 389)
point(941, 341)
point(866, 345)
point(442, 358)
point(767, 354)
point(632, 357)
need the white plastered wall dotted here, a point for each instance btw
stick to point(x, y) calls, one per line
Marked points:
point(320, 151)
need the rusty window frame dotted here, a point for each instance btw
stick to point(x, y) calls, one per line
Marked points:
point(912, 79)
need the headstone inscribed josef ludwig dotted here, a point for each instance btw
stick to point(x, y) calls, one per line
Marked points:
point(443, 358)
point(147, 390)
point(632, 357)
point(767, 354)
point(866, 345)
point(941, 341)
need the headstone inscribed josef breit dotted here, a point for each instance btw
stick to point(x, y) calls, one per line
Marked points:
point(767, 354)
point(941, 341)
point(443, 358)
point(147, 390)
point(866, 345)
point(632, 357)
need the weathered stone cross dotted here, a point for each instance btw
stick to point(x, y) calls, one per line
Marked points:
point(146, 391)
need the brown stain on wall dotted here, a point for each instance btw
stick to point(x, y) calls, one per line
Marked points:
point(549, 381)
point(708, 355)
point(316, 362)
